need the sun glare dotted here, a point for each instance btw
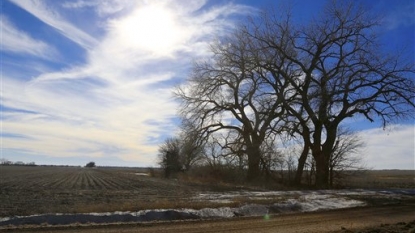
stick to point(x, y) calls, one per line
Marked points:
point(152, 28)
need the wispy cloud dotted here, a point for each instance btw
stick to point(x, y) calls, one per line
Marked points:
point(53, 19)
point(102, 7)
point(63, 122)
point(116, 103)
point(16, 41)
point(103, 107)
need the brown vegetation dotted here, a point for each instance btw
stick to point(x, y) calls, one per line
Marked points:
point(402, 179)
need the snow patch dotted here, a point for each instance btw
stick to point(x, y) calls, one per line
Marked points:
point(224, 212)
point(285, 202)
point(252, 210)
point(141, 174)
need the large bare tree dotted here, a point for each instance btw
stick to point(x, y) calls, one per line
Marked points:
point(341, 73)
point(311, 76)
point(231, 94)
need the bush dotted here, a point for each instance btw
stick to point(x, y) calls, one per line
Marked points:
point(216, 174)
point(90, 164)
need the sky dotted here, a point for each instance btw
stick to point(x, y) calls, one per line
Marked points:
point(92, 80)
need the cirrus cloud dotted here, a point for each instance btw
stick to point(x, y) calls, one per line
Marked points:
point(117, 103)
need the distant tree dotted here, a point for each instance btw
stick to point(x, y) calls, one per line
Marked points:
point(31, 164)
point(169, 157)
point(191, 145)
point(90, 164)
point(4, 161)
point(19, 163)
point(182, 152)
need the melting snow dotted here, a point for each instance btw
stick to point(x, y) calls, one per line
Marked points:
point(285, 202)
point(141, 174)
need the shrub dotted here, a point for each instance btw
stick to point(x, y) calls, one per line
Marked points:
point(90, 164)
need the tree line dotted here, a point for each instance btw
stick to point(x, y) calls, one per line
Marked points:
point(6, 162)
point(273, 80)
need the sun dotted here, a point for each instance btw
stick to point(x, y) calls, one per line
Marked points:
point(152, 28)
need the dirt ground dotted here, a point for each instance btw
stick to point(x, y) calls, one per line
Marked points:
point(37, 190)
point(380, 219)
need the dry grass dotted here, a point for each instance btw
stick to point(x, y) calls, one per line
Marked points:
point(403, 179)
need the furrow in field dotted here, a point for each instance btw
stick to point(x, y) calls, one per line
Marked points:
point(92, 184)
point(57, 180)
point(129, 181)
point(84, 181)
point(89, 180)
point(100, 182)
point(113, 183)
point(69, 184)
point(64, 180)
point(76, 183)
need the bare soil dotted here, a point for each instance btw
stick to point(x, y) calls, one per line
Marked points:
point(41, 190)
point(380, 219)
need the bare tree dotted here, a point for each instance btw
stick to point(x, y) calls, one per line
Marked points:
point(169, 156)
point(338, 71)
point(312, 77)
point(182, 152)
point(271, 158)
point(231, 95)
point(4, 161)
point(212, 153)
point(192, 144)
point(346, 155)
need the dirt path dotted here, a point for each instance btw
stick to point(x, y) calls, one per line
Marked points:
point(330, 221)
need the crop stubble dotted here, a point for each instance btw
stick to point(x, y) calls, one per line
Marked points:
point(37, 190)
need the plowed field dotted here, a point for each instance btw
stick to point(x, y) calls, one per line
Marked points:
point(40, 190)
point(37, 190)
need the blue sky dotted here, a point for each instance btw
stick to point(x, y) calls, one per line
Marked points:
point(92, 80)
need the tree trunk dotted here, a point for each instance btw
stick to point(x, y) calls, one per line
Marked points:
point(322, 171)
point(312, 173)
point(327, 151)
point(254, 158)
point(301, 163)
